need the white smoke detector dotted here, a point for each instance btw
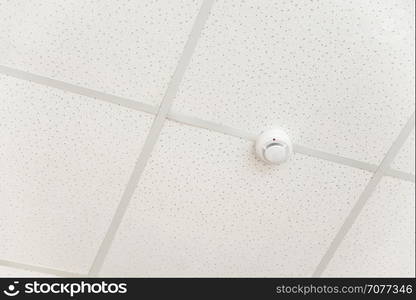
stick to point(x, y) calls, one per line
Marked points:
point(274, 146)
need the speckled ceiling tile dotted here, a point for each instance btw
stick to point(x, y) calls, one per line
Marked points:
point(126, 48)
point(338, 75)
point(405, 160)
point(206, 207)
point(381, 243)
point(13, 272)
point(64, 163)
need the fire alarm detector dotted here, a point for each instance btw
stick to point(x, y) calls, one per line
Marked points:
point(273, 146)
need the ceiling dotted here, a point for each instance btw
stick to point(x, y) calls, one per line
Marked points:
point(127, 127)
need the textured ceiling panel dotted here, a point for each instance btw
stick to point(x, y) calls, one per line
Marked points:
point(94, 183)
point(65, 160)
point(12, 272)
point(127, 48)
point(338, 75)
point(382, 241)
point(405, 160)
point(205, 206)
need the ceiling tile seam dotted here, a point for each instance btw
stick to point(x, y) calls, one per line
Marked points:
point(183, 118)
point(197, 122)
point(365, 196)
point(238, 133)
point(39, 269)
point(75, 89)
point(399, 175)
point(153, 135)
point(154, 110)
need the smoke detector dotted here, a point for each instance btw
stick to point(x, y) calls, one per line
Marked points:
point(273, 146)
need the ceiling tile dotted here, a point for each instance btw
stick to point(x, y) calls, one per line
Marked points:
point(126, 48)
point(65, 160)
point(206, 207)
point(381, 242)
point(338, 75)
point(405, 160)
point(12, 272)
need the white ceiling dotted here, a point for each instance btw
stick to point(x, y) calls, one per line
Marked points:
point(126, 138)
point(21, 272)
point(405, 159)
point(65, 160)
point(387, 249)
point(337, 75)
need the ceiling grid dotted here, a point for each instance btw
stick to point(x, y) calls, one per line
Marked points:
point(169, 116)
